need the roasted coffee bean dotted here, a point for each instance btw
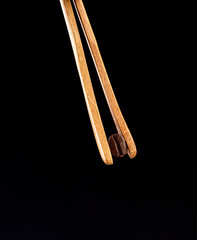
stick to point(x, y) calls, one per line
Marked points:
point(117, 145)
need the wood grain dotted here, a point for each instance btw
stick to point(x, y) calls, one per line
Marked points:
point(104, 79)
point(90, 99)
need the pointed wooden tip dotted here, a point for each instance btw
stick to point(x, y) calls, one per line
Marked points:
point(132, 151)
point(107, 157)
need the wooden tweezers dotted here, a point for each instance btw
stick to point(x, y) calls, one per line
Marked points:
point(90, 99)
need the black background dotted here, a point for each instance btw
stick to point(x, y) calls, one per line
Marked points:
point(53, 183)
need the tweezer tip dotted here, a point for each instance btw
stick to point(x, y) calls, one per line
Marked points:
point(107, 159)
point(132, 153)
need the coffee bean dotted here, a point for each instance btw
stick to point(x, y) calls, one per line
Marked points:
point(117, 145)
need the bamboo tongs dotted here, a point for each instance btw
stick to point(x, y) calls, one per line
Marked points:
point(90, 99)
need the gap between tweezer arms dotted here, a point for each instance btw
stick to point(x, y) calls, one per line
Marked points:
point(90, 99)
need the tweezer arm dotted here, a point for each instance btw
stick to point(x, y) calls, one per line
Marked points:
point(90, 99)
point(104, 79)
